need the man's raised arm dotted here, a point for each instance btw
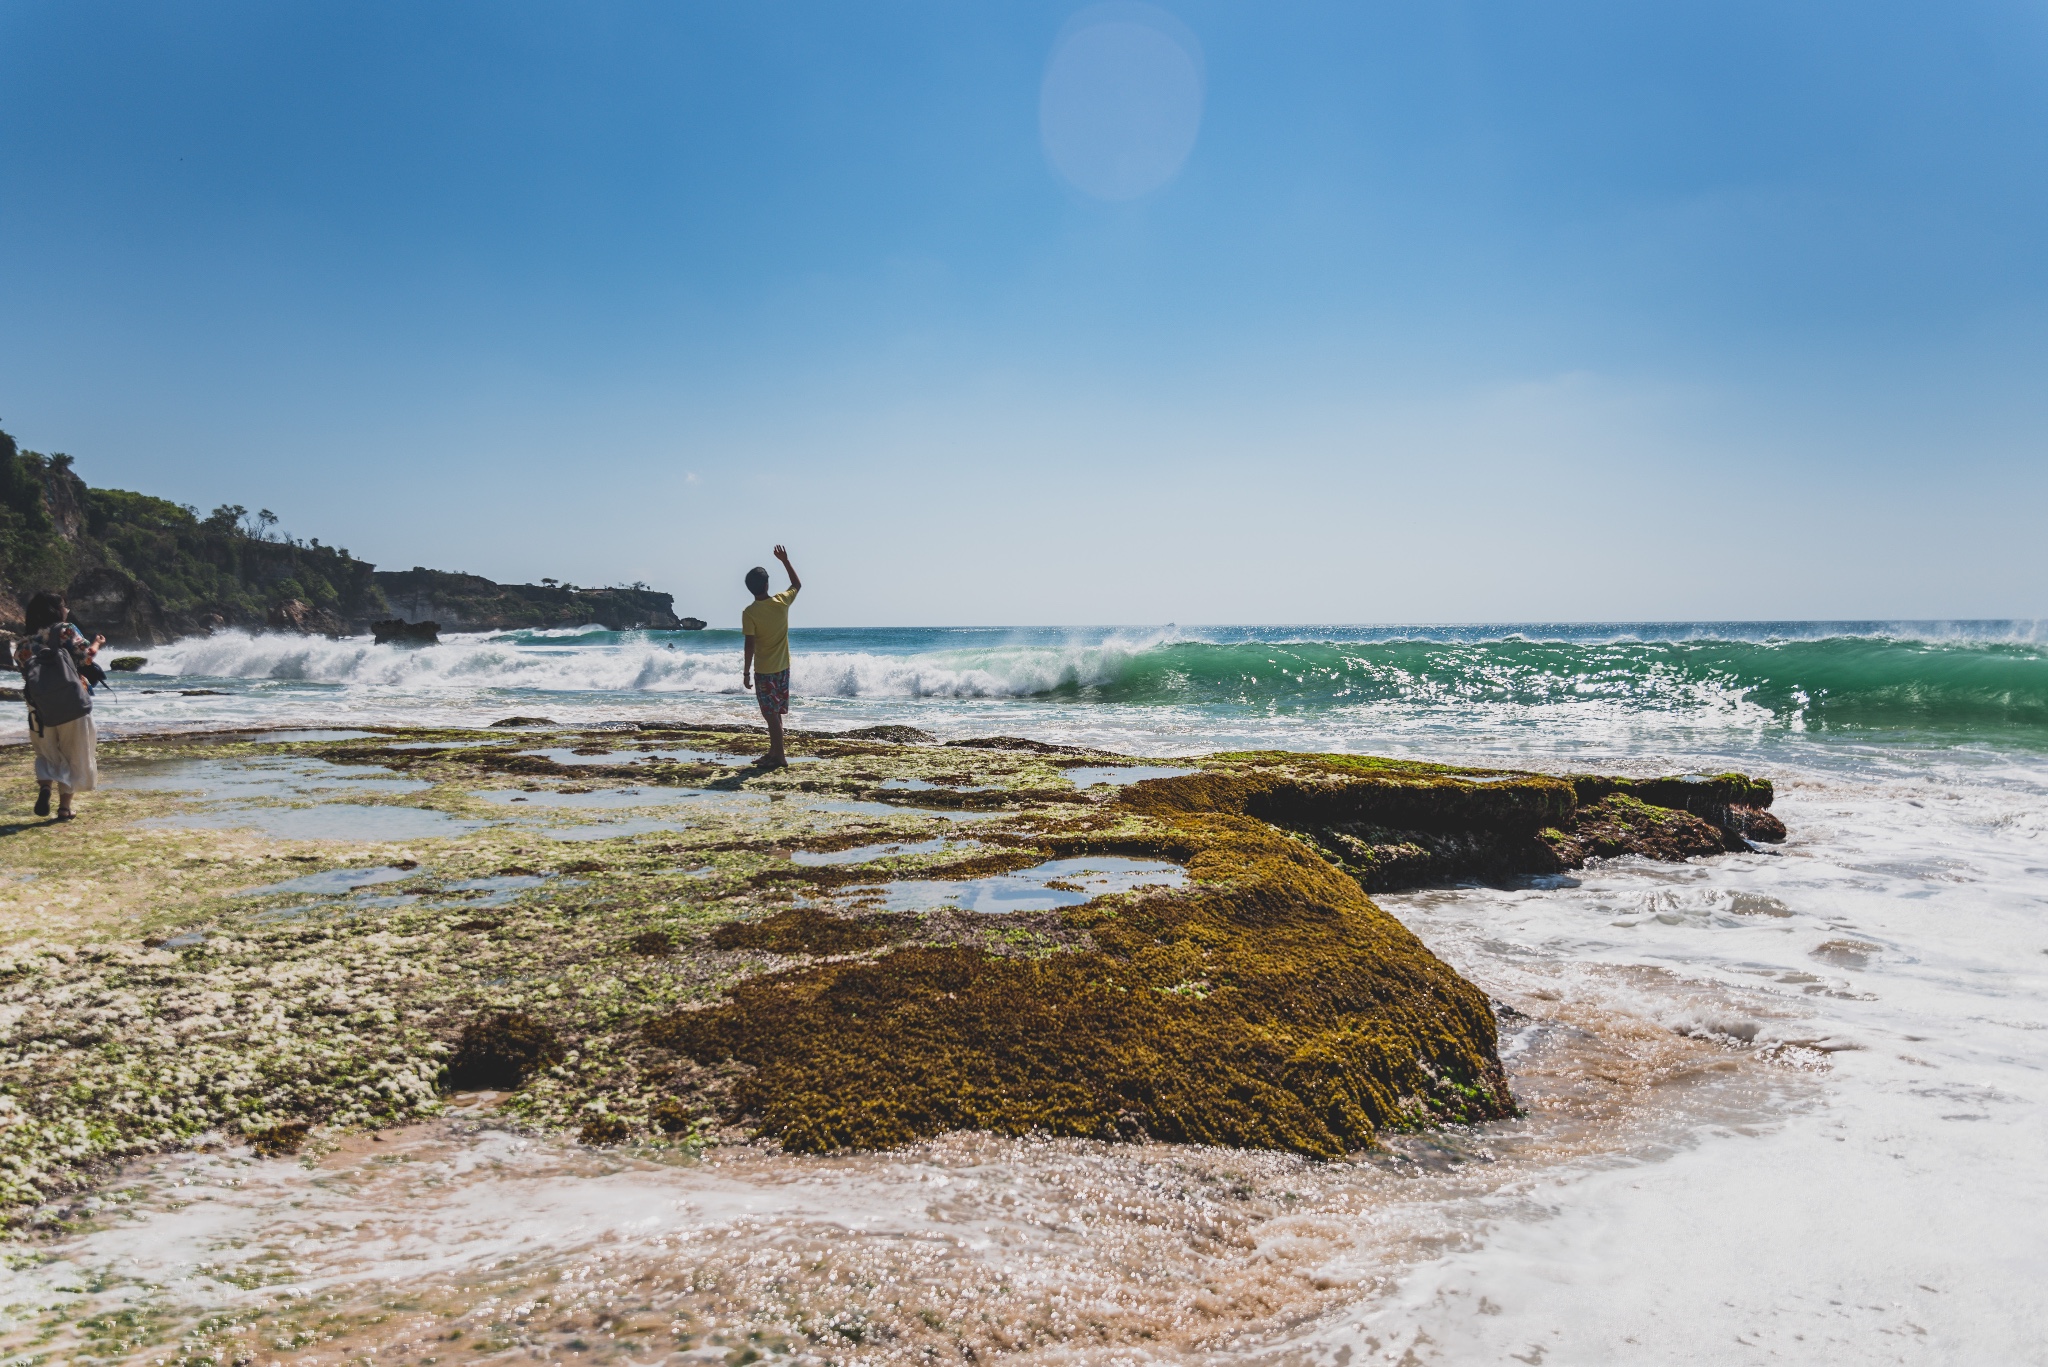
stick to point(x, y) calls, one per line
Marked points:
point(789, 569)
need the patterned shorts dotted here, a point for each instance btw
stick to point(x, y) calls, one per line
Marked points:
point(772, 690)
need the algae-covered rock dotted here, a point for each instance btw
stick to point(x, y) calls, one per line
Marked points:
point(1268, 1005)
point(896, 735)
point(501, 1050)
point(779, 957)
point(279, 1140)
point(1619, 824)
point(1397, 824)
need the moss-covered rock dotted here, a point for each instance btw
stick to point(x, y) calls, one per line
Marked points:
point(1396, 824)
point(162, 984)
point(502, 1049)
point(1619, 824)
point(1269, 1005)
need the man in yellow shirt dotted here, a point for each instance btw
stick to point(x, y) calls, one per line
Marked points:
point(766, 667)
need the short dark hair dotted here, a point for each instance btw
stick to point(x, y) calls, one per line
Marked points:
point(757, 580)
point(46, 609)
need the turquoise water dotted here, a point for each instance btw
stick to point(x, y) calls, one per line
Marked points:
point(1154, 689)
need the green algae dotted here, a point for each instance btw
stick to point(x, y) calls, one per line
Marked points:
point(1398, 824)
point(1621, 824)
point(698, 984)
point(1318, 1020)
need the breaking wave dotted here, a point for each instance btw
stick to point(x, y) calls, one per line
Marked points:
point(1943, 678)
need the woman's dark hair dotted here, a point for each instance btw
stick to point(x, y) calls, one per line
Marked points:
point(757, 580)
point(46, 609)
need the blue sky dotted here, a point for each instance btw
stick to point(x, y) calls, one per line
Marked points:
point(1042, 313)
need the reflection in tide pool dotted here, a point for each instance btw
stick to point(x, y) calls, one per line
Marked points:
point(1055, 883)
point(862, 854)
point(249, 793)
point(292, 778)
point(327, 821)
point(333, 880)
point(1121, 775)
point(567, 755)
point(602, 797)
point(613, 830)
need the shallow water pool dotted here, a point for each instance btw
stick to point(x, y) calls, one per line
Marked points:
point(599, 798)
point(864, 853)
point(1121, 775)
point(287, 778)
point(250, 793)
point(326, 821)
point(333, 880)
point(613, 830)
point(1081, 880)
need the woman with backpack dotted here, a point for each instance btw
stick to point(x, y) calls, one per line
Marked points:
point(55, 661)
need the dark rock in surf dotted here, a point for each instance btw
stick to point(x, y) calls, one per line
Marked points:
point(1749, 823)
point(397, 631)
point(691, 624)
point(1619, 824)
point(523, 721)
point(895, 735)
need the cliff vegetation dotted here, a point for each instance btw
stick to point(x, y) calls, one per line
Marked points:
point(144, 570)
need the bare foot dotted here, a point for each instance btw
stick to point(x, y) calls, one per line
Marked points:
point(772, 762)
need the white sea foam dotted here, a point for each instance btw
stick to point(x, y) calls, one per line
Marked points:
point(557, 663)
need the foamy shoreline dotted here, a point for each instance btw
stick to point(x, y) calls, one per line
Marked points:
point(1785, 1104)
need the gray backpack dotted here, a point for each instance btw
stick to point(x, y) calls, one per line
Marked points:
point(51, 684)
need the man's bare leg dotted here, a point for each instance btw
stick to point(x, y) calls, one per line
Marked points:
point(774, 759)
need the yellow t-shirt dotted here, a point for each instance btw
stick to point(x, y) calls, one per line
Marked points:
point(767, 621)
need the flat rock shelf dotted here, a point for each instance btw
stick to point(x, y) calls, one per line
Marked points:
point(630, 935)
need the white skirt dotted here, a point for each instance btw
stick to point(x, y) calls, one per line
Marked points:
point(67, 755)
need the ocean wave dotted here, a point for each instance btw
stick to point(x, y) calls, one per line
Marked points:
point(631, 662)
point(1819, 682)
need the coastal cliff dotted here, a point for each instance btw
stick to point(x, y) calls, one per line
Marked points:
point(470, 602)
point(145, 571)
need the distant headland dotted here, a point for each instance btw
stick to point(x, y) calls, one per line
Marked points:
point(145, 571)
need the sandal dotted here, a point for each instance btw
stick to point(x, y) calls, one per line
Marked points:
point(42, 802)
point(66, 814)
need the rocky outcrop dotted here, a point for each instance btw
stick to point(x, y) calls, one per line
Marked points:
point(116, 604)
point(1267, 1004)
point(469, 602)
point(145, 571)
point(296, 614)
point(1396, 825)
